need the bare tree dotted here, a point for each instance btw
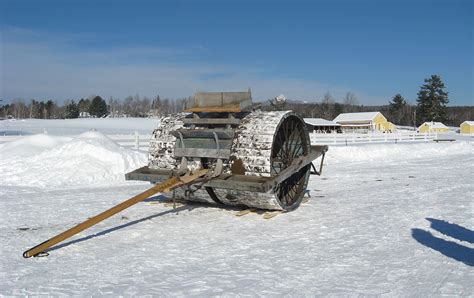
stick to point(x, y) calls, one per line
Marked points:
point(350, 102)
point(20, 109)
point(327, 106)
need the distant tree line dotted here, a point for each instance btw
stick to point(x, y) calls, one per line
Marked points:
point(94, 106)
point(431, 105)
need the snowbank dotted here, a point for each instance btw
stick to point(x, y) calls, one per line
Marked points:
point(396, 152)
point(41, 160)
point(30, 145)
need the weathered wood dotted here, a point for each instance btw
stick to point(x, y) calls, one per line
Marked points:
point(237, 182)
point(165, 186)
point(215, 109)
point(272, 214)
point(208, 121)
point(199, 152)
point(204, 133)
point(296, 165)
point(204, 143)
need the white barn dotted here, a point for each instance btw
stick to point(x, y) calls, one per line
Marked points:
point(321, 125)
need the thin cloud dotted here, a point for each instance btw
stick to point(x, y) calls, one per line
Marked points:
point(42, 66)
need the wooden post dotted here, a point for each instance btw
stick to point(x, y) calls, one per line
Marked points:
point(137, 140)
point(164, 186)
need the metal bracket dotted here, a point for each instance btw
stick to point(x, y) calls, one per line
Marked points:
point(219, 164)
point(181, 139)
point(183, 166)
point(217, 140)
point(313, 168)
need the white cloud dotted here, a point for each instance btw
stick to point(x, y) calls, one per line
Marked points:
point(39, 65)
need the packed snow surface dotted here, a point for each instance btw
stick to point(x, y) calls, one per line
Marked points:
point(48, 161)
point(387, 219)
point(78, 126)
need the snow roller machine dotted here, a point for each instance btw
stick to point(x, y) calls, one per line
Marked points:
point(222, 150)
point(254, 158)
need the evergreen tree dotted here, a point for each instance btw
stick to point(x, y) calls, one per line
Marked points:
point(48, 107)
point(98, 107)
point(84, 105)
point(432, 101)
point(397, 108)
point(35, 109)
point(72, 110)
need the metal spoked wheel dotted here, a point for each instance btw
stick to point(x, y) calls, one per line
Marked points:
point(290, 142)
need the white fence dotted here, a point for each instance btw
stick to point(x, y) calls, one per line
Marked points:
point(360, 138)
point(135, 141)
point(142, 142)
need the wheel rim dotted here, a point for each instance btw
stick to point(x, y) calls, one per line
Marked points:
point(291, 141)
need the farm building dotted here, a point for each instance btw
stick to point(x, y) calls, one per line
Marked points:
point(363, 122)
point(390, 127)
point(437, 127)
point(467, 127)
point(320, 125)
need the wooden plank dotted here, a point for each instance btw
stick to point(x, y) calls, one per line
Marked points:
point(205, 143)
point(244, 212)
point(205, 121)
point(234, 184)
point(165, 186)
point(200, 152)
point(204, 133)
point(271, 214)
point(296, 165)
point(215, 109)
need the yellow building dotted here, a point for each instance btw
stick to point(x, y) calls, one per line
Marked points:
point(429, 127)
point(390, 127)
point(467, 127)
point(363, 122)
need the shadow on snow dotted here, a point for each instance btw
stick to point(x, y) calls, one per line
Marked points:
point(452, 230)
point(131, 223)
point(448, 248)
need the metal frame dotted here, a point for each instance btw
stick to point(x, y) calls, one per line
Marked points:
point(316, 172)
point(235, 182)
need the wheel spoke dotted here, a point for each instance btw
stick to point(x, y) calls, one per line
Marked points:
point(290, 142)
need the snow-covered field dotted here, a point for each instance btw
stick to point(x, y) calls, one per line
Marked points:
point(386, 219)
point(78, 126)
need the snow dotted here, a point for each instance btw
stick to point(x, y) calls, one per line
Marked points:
point(471, 123)
point(356, 155)
point(385, 219)
point(434, 124)
point(30, 145)
point(361, 116)
point(320, 122)
point(78, 126)
point(48, 161)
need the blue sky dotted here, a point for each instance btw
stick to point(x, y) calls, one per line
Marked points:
point(375, 49)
